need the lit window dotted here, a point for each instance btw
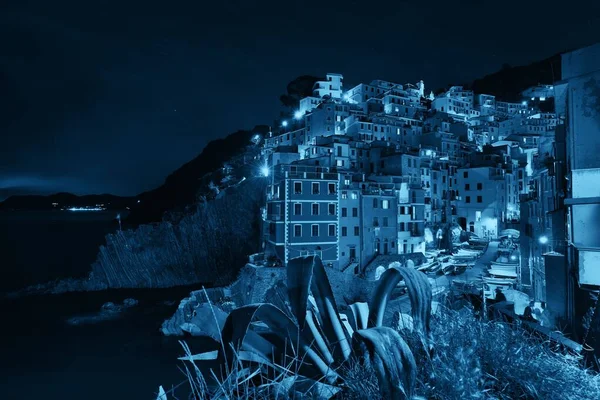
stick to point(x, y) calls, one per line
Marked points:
point(344, 194)
point(354, 195)
point(477, 216)
point(297, 230)
point(314, 230)
point(385, 204)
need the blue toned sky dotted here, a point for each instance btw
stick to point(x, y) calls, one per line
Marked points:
point(108, 96)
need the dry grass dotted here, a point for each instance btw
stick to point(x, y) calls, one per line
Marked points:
point(472, 359)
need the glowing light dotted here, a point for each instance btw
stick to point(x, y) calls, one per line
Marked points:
point(513, 257)
point(264, 170)
point(298, 114)
point(346, 96)
point(284, 124)
point(524, 103)
point(542, 99)
point(543, 239)
point(533, 98)
point(85, 209)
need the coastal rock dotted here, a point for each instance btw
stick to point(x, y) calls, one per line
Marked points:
point(195, 316)
point(130, 302)
point(203, 322)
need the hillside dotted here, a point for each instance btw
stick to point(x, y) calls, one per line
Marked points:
point(508, 83)
point(182, 187)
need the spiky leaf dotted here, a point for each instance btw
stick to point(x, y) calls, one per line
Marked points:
point(391, 359)
point(419, 293)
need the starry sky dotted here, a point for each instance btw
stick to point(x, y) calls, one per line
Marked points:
point(112, 96)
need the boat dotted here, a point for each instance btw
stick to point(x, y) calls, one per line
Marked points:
point(501, 264)
point(425, 267)
point(502, 273)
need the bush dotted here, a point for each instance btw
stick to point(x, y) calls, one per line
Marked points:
point(209, 245)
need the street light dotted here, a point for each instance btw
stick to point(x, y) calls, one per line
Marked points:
point(543, 239)
point(298, 114)
point(284, 124)
point(264, 170)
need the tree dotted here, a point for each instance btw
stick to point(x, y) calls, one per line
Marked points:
point(297, 89)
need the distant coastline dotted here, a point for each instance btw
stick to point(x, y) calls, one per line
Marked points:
point(68, 202)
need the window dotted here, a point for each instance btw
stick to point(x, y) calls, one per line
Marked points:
point(477, 216)
point(344, 231)
point(374, 203)
point(344, 212)
point(375, 221)
point(315, 188)
point(356, 231)
point(297, 209)
point(332, 188)
point(385, 204)
point(331, 208)
point(297, 230)
point(468, 199)
point(314, 230)
point(344, 194)
point(385, 221)
point(479, 199)
point(467, 186)
point(331, 230)
point(315, 209)
point(347, 182)
point(465, 174)
point(355, 212)
point(480, 186)
point(298, 187)
point(401, 227)
point(354, 195)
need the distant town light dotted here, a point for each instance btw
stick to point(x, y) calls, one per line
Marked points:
point(533, 98)
point(298, 114)
point(284, 124)
point(543, 239)
point(542, 99)
point(525, 103)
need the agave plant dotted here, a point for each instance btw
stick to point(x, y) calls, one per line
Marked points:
point(323, 339)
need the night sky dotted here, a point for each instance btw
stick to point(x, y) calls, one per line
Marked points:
point(112, 96)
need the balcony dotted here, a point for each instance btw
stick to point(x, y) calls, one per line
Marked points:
point(273, 217)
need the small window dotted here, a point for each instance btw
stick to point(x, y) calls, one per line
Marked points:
point(385, 221)
point(331, 208)
point(356, 231)
point(344, 212)
point(375, 221)
point(480, 186)
point(375, 203)
point(467, 186)
point(478, 216)
point(298, 187)
point(314, 230)
point(315, 188)
point(332, 188)
point(354, 195)
point(344, 231)
point(479, 199)
point(355, 212)
point(468, 199)
point(331, 230)
point(315, 209)
point(297, 230)
point(465, 174)
point(385, 204)
point(344, 194)
point(297, 209)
